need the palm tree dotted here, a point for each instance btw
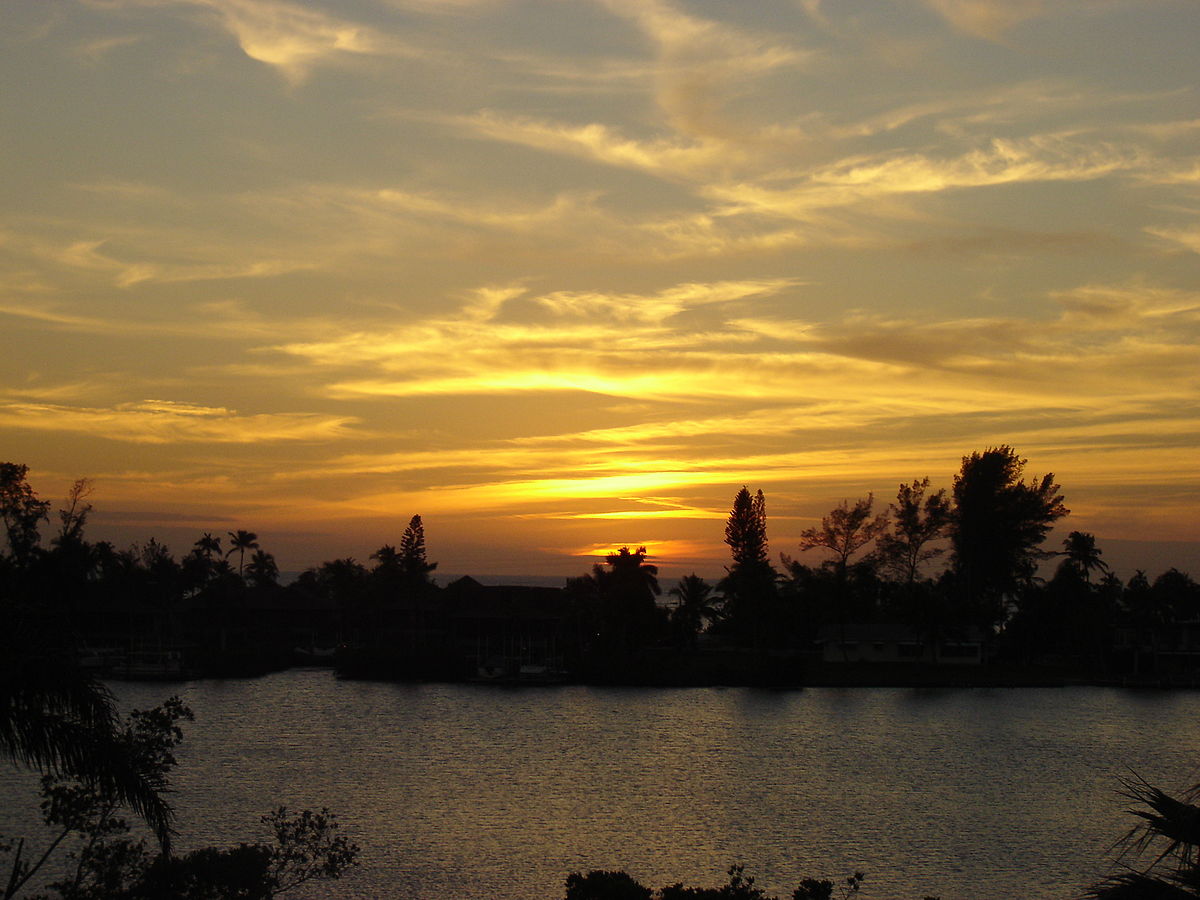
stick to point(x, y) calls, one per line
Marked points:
point(388, 559)
point(58, 719)
point(694, 606)
point(1170, 829)
point(241, 541)
point(1082, 555)
point(207, 545)
point(626, 591)
point(632, 572)
point(262, 570)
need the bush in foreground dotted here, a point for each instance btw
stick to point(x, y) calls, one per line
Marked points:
point(600, 885)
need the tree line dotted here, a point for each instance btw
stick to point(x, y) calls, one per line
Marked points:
point(970, 559)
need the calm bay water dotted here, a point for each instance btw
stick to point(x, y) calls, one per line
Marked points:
point(459, 791)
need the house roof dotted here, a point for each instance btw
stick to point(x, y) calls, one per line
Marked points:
point(892, 632)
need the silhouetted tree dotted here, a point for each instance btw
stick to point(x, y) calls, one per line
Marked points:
point(1176, 595)
point(103, 861)
point(208, 546)
point(240, 541)
point(602, 885)
point(21, 512)
point(810, 596)
point(1082, 555)
point(916, 520)
point(56, 718)
point(999, 525)
point(614, 607)
point(1069, 616)
point(746, 529)
point(198, 565)
point(263, 571)
point(414, 568)
point(73, 515)
point(629, 571)
point(346, 584)
point(387, 559)
point(1138, 601)
point(749, 586)
point(694, 608)
point(845, 531)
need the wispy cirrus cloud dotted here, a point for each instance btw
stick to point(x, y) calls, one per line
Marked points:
point(139, 260)
point(702, 63)
point(171, 422)
point(668, 157)
point(291, 37)
point(230, 320)
point(989, 19)
point(600, 344)
point(860, 179)
point(1187, 238)
point(577, 343)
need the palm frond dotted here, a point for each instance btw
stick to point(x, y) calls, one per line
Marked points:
point(1165, 819)
point(1139, 886)
point(58, 719)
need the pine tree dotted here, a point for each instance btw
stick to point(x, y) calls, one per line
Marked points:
point(413, 566)
point(749, 586)
point(746, 530)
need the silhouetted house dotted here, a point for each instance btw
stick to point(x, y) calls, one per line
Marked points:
point(890, 643)
point(284, 620)
point(410, 622)
point(508, 632)
point(1166, 651)
point(234, 632)
point(405, 634)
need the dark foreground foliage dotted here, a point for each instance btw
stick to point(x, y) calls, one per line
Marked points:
point(1165, 840)
point(92, 850)
point(600, 885)
point(1168, 835)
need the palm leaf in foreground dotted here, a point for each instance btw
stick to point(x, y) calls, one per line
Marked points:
point(1172, 823)
point(58, 719)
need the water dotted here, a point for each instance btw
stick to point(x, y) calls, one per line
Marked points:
point(459, 791)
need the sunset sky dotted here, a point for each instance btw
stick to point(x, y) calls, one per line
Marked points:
point(564, 275)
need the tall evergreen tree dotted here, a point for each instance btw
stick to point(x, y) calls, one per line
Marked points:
point(746, 529)
point(749, 586)
point(413, 565)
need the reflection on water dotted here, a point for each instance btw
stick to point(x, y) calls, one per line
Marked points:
point(457, 791)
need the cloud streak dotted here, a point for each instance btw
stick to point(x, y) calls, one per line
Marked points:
point(170, 422)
